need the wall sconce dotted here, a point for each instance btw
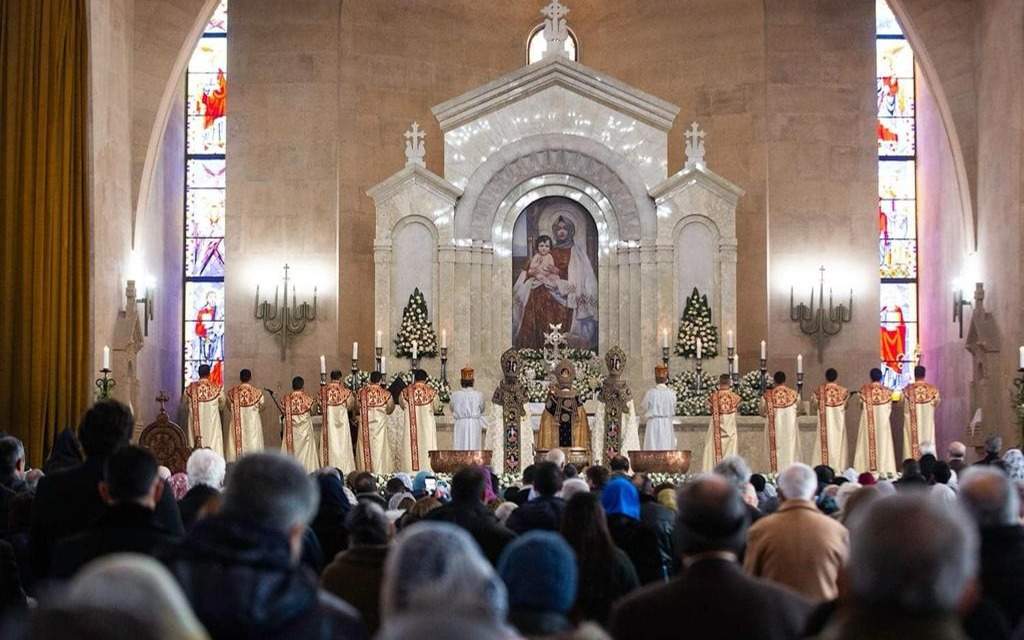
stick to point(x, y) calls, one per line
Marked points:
point(284, 319)
point(971, 274)
point(146, 300)
point(816, 321)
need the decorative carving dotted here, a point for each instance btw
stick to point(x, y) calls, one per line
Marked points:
point(166, 440)
point(616, 396)
point(512, 397)
point(415, 149)
point(556, 30)
point(694, 147)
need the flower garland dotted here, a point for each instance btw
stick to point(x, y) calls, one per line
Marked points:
point(696, 323)
point(416, 327)
point(534, 373)
point(749, 390)
point(689, 401)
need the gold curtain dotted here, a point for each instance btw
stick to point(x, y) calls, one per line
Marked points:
point(44, 220)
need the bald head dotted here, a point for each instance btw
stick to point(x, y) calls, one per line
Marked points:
point(989, 496)
point(711, 516)
point(957, 450)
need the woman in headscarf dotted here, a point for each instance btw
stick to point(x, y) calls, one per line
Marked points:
point(1013, 463)
point(329, 523)
point(179, 485)
point(621, 502)
point(539, 571)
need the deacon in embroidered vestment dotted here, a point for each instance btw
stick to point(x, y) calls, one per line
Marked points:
point(468, 412)
point(874, 437)
point(563, 424)
point(920, 399)
point(779, 407)
point(336, 400)
point(829, 403)
point(621, 427)
point(245, 433)
point(205, 402)
point(659, 410)
point(722, 436)
point(299, 439)
point(375, 405)
point(419, 401)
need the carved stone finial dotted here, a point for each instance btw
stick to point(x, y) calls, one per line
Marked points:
point(556, 31)
point(694, 147)
point(415, 149)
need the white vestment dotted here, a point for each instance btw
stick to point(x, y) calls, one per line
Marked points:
point(419, 435)
point(467, 408)
point(659, 411)
point(495, 440)
point(780, 408)
point(205, 401)
point(299, 439)
point(374, 445)
point(829, 404)
point(245, 432)
point(336, 436)
point(722, 439)
point(874, 437)
point(920, 400)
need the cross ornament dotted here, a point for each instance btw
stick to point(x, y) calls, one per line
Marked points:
point(415, 149)
point(162, 398)
point(694, 146)
point(555, 30)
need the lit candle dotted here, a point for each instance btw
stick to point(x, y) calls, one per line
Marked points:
point(383, 365)
point(379, 334)
point(764, 350)
point(106, 356)
point(444, 338)
point(415, 350)
point(1021, 358)
point(800, 363)
point(664, 338)
point(355, 350)
point(730, 340)
point(698, 349)
point(323, 364)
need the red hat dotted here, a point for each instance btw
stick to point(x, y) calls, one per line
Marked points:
point(866, 479)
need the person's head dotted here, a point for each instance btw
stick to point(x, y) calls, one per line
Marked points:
point(298, 383)
point(919, 372)
point(529, 473)
point(585, 527)
point(364, 482)
point(206, 466)
point(419, 510)
point(542, 245)
point(570, 471)
point(711, 516)
point(437, 566)
point(779, 377)
point(204, 371)
point(924, 566)
point(661, 374)
point(597, 477)
point(12, 457)
point(942, 472)
point(911, 468)
point(619, 463)
point(563, 230)
point(989, 496)
point(759, 482)
point(245, 375)
point(376, 377)
point(105, 427)
point(621, 497)
point(557, 456)
point(735, 470)
point(644, 485)
point(572, 486)
point(273, 491)
point(798, 482)
point(993, 444)
point(825, 474)
point(724, 381)
point(419, 375)
point(394, 487)
point(547, 480)
point(956, 450)
point(335, 375)
point(468, 484)
point(831, 375)
point(367, 525)
point(853, 503)
point(926, 465)
point(539, 571)
point(875, 375)
point(130, 476)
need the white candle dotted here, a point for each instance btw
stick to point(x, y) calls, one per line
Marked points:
point(383, 364)
point(106, 356)
point(355, 350)
point(377, 343)
point(800, 363)
point(730, 340)
point(1021, 365)
point(415, 350)
point(764, 350)
point(323, 364)
point(698, 349)
point(664, 338)
point(736, 363)
point(444, 338)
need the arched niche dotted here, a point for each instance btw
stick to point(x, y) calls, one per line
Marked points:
point(414, 264)
point(696, 261)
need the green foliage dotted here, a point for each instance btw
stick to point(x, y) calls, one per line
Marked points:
point(696, 323)
point(416, 327)
point(690, 401)
point(750, 391)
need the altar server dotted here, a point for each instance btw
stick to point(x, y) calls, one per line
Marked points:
point(722, 437)
point(874, 437)
point(829, 403)
point(920, 399)
point(468, 412)
point(336, 400)
point(205, 401)
point(419, 435)
point(245, 433)
point(375, 405)
point(779, 407)
point(659, 410)
point(299, 440)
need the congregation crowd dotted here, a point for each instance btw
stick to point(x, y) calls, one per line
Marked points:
point(104, 543)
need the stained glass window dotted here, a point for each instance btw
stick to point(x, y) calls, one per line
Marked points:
point(206, 86)
point(897, 198)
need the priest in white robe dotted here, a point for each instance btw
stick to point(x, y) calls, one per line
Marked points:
point(779, 408)
point(245, 433)
point(920, 399)
point(829, 404)
point(205, 400)
point(299, 439)
point(419, 433)
point(375, 405)
point(336, 400)
point(659, 411)
point(467, 407)
point(874, 451)
point(722, 439)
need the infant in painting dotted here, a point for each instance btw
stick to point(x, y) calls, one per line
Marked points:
point(542, 264)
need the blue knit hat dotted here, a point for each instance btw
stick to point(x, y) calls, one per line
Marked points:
point(620, 496)
point(539, 570)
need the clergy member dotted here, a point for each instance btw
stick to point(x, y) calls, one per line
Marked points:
point(468, 412)
point(375, 405)
point(205, 402)
point(659, 410)
point(563, 423)
point(419, 435)
point(722, 436)
point(336, 400)
point(779, 407)
point(874, 437)
point(920, 399)
point(829, 402)
point(245, 434)
point(299, 440)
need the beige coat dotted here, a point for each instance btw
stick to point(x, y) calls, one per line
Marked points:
point(799, 547)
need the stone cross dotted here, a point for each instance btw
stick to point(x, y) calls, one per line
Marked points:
point(162, 398)
point(694, 146)
point(555, 29)
point(415, 150)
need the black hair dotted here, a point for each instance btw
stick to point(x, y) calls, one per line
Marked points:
point(245, 375)
point(547, 480)
point(619, 463)
point(597, 476)
point(466, 383)
point(779, 377)
point(367, 524)
point(468, 484)
point(298, 383)
point(364, 483)
point(376, 377)
point(711, 518)
point(570, 471)
point(204, 370)
point(529, 473)
point(335, 374)
point(419, 375)
point(831, 375)
point(105, 427)
point(542, 238)
point(11, 450)
point(876, 375)
point(725, 378)
point(394, 486)
point(919, 372)
point(129, 473)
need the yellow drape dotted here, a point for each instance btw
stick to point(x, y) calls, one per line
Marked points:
point(44, 219)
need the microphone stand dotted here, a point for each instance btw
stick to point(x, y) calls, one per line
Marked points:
point(280, 409)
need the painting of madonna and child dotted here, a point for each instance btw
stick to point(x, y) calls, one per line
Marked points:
point(554, 274)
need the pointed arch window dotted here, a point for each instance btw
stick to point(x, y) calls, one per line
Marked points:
point(536, 45)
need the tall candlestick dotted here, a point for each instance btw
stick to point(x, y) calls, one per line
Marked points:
point(730, 340)
point(415, 350)
point(444, 338)
point(1021, 358)
point(764, 350)
point(383, 365)
point(800, 363)
point(664, 338)
point(736, 364)
point(323, 364)
point(377, 343)
point(355, 350)
point(106, 357)
point(698, 349)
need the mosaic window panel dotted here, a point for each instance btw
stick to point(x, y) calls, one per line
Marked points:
point(885, 21)
point(895, 97)
point(898, 331)
point(205, 174)
point(210, 55)
point(204, 213)
point(897, 180)
point(204, 258)
point(895, 58)
point(896, 136)
point(897, 219)
point(897, 258)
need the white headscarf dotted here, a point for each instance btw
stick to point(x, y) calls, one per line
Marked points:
point(1013, 460)
point(572, 486)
